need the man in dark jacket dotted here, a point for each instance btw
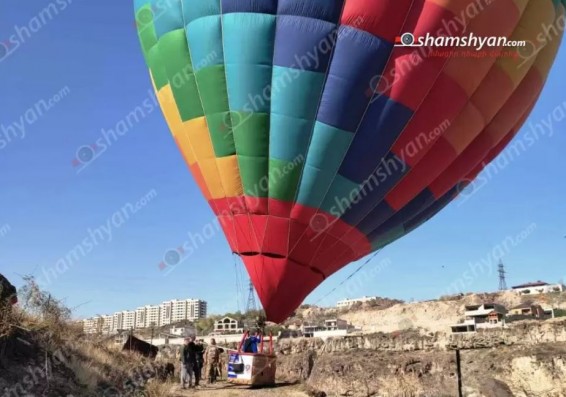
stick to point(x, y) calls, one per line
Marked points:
point(200, 361)
point(188, 363)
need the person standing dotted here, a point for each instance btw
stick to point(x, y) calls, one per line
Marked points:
point(188, 363)
point(199, 348)
point(211, 356)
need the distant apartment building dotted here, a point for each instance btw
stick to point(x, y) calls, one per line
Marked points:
point(538, 287)
point(350, 302)
point(129, 321)
point(166, 313)
point(152, 316)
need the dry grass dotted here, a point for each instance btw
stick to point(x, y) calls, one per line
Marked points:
point(87, 366)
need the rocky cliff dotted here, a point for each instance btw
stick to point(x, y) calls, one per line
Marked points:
point(526, 360)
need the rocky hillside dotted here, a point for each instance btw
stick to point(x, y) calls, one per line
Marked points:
point(429, 316)
point(527, 360)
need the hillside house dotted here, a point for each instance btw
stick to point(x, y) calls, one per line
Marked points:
point(538, 287)
point(228, 325)
point(484, 316)
point(531, 310)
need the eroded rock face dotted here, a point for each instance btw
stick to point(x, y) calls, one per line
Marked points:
point(527, 361)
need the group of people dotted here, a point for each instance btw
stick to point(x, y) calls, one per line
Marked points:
point(194, 357)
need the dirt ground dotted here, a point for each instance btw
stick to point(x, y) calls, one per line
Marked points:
point(224, 389)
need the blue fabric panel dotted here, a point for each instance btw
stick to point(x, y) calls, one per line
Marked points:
point(326, 10)
point(326, 150)
point(141, 3)
point(296, 93)
point(379, 220)
point(289, 137)
point(341, 195)
point(256, 6)
point(432, 210)
point(248, 38)
point(304, 43)
point(248, 46)
point(167, 16)
point(194, 9)
point(294, 102)
point(375, 188)
point(380, 128)
point(388, 237)
point(204, 36)
point(248, 87)
point(358, 57)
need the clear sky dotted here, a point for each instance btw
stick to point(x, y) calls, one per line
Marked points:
point(95, 236)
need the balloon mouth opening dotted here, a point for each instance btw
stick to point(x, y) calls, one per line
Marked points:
point(267, 254)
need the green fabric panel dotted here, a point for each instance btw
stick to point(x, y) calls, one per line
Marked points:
point(146, 30)
point(284, 178)
point(212, 87)
point(251, 133)
point(388, 237)
point(253, 171)
point(173, 48)
point(221, 134)
point(157, 66)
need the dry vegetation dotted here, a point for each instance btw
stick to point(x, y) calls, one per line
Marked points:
point(43, 353)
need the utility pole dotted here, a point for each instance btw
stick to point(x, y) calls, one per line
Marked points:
point(502, 272)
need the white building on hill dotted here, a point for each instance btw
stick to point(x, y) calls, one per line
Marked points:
point(538, 287)
point(350, 302)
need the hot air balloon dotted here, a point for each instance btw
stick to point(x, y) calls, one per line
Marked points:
point(320, 131)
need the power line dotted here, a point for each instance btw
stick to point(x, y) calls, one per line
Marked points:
point(349, 277)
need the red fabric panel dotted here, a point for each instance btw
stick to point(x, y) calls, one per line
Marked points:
point(410, 72)
point(443, 104)
point(511, 117)
point(279, 208)
point(438, 158)
point(276, 239)
point(382, 18)
point(281, 284)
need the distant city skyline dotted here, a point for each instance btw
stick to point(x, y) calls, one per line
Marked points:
point(157, 315)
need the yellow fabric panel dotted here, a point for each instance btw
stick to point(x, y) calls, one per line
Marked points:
point(209, 170)
point(230, 175)
point(197, 133)
point(536, 15)
point(465, 128)
point(171, 113)
point(522, 4)
point(470, 72)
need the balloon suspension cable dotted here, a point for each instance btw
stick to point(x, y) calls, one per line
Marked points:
point(349, 277)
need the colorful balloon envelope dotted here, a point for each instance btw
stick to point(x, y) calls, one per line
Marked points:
point(322, 130)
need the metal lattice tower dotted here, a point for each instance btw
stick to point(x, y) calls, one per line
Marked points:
point(251, 299)
point(502, 272)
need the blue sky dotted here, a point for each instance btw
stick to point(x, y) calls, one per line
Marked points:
point(82, 72)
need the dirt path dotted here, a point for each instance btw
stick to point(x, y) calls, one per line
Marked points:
point(223, 389)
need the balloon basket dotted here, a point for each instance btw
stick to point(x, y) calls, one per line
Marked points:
point(252, 369)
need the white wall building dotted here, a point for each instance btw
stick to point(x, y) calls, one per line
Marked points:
point(166, 309)
point(129, 319)
point(153, 316)
point(228, 325)
point(538, 287)
point(141, 317)
point(118, 321)
point(350, 302)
